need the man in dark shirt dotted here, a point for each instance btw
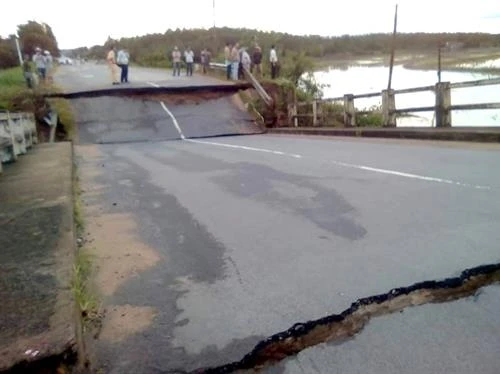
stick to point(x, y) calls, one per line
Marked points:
point(257, 61)
point(28, 71)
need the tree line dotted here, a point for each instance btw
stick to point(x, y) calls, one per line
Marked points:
point(31, 35)
point(155, 49)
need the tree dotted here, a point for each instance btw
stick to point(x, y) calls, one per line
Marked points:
point(8, 55)
point(34, 34)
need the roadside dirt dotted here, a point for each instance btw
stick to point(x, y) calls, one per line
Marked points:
point(117, 253)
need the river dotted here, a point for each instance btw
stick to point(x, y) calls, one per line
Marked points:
point(366, 79)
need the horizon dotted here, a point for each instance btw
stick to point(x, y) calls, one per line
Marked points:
point(317, 18)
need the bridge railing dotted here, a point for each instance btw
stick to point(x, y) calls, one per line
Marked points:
point(17, 135)
point(442, 108)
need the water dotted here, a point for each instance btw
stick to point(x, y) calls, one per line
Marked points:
point(363, 79)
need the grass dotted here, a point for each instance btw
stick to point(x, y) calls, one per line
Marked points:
point(86, 300)
point(12, 88)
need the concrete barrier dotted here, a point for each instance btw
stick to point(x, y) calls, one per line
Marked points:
point(17, 135)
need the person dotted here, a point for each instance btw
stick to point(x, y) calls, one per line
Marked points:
point(227, 56)
point(235, 61)
point(205, 60)
point(39, 61)
point(189, 56)
point(123, 59)
point(48, 65)
point(113, 68)
point(273, 59)
point(246, 61)
point(257, 60)
point(176, 59)
point(28, 71)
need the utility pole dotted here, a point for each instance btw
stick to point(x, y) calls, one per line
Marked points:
point(215, 34)
point(440, 46)
point(393, 47)
point(19, 51)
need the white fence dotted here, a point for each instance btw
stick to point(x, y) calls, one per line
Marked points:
point(17, 135)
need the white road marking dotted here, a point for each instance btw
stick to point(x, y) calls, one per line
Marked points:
point(409, 175)
point(174, 120)
point(339, 163)
point(234, 146)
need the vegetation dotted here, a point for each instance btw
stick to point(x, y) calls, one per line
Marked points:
point(154, 49)
point(31, 35)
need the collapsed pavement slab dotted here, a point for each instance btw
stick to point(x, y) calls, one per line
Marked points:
point(38, 315)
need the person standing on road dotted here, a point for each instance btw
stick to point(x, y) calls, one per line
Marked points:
point(113, 68)
point(123, 59)
point(257, 61)
point(246, 61)
point(189, 56)
point(48, 65)
point(205, 60)
point(227, 57)
point(39, 61)
point(176, 60)
point(28, 71)
point(235, 61)
point(273, 59)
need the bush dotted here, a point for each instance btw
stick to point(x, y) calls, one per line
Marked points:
point(371, 119)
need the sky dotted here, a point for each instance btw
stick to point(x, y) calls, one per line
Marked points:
point(90, 22)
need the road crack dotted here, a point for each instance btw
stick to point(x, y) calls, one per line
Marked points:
point(337, 327)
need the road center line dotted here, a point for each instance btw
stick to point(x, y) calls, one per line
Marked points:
point(244, 147)
point(174, 120)
point(409, 175)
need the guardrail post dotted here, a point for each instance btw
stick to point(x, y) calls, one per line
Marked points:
point(349, 111)
point(315, 112)
point(388, 108)
point(443, 104)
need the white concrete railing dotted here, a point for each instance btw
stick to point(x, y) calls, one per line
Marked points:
point(17, 135)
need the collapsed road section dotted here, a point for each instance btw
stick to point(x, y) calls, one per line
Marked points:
point(140, 116)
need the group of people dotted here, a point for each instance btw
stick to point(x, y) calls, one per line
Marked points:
point(43, 63)
point(238, 59)
point(189, 57)
point(117, 60)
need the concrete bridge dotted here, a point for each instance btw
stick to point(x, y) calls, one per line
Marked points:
point(220, 248)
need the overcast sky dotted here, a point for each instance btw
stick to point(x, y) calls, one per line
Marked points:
point(89, 22)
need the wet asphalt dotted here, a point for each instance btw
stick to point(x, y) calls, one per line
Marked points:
point(259, 232)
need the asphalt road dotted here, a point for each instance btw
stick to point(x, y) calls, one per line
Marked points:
point(256, 233)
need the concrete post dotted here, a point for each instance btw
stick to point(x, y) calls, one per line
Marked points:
point(388, 108)
point(443, 104)
point(315, 112)
point(349, 111)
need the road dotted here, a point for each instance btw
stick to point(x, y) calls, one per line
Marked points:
point(206, 246)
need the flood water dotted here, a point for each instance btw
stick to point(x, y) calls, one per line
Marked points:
point(366, 79)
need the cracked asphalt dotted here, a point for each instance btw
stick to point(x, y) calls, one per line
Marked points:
point(256, 233)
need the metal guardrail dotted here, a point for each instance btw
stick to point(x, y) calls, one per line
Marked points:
point(255, 83)
point(17, 135)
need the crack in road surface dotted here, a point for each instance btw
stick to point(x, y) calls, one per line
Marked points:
point(337, 327)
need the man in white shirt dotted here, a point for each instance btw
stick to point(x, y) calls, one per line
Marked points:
point(122, 60)
point(273, 59)
point(189, 56)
